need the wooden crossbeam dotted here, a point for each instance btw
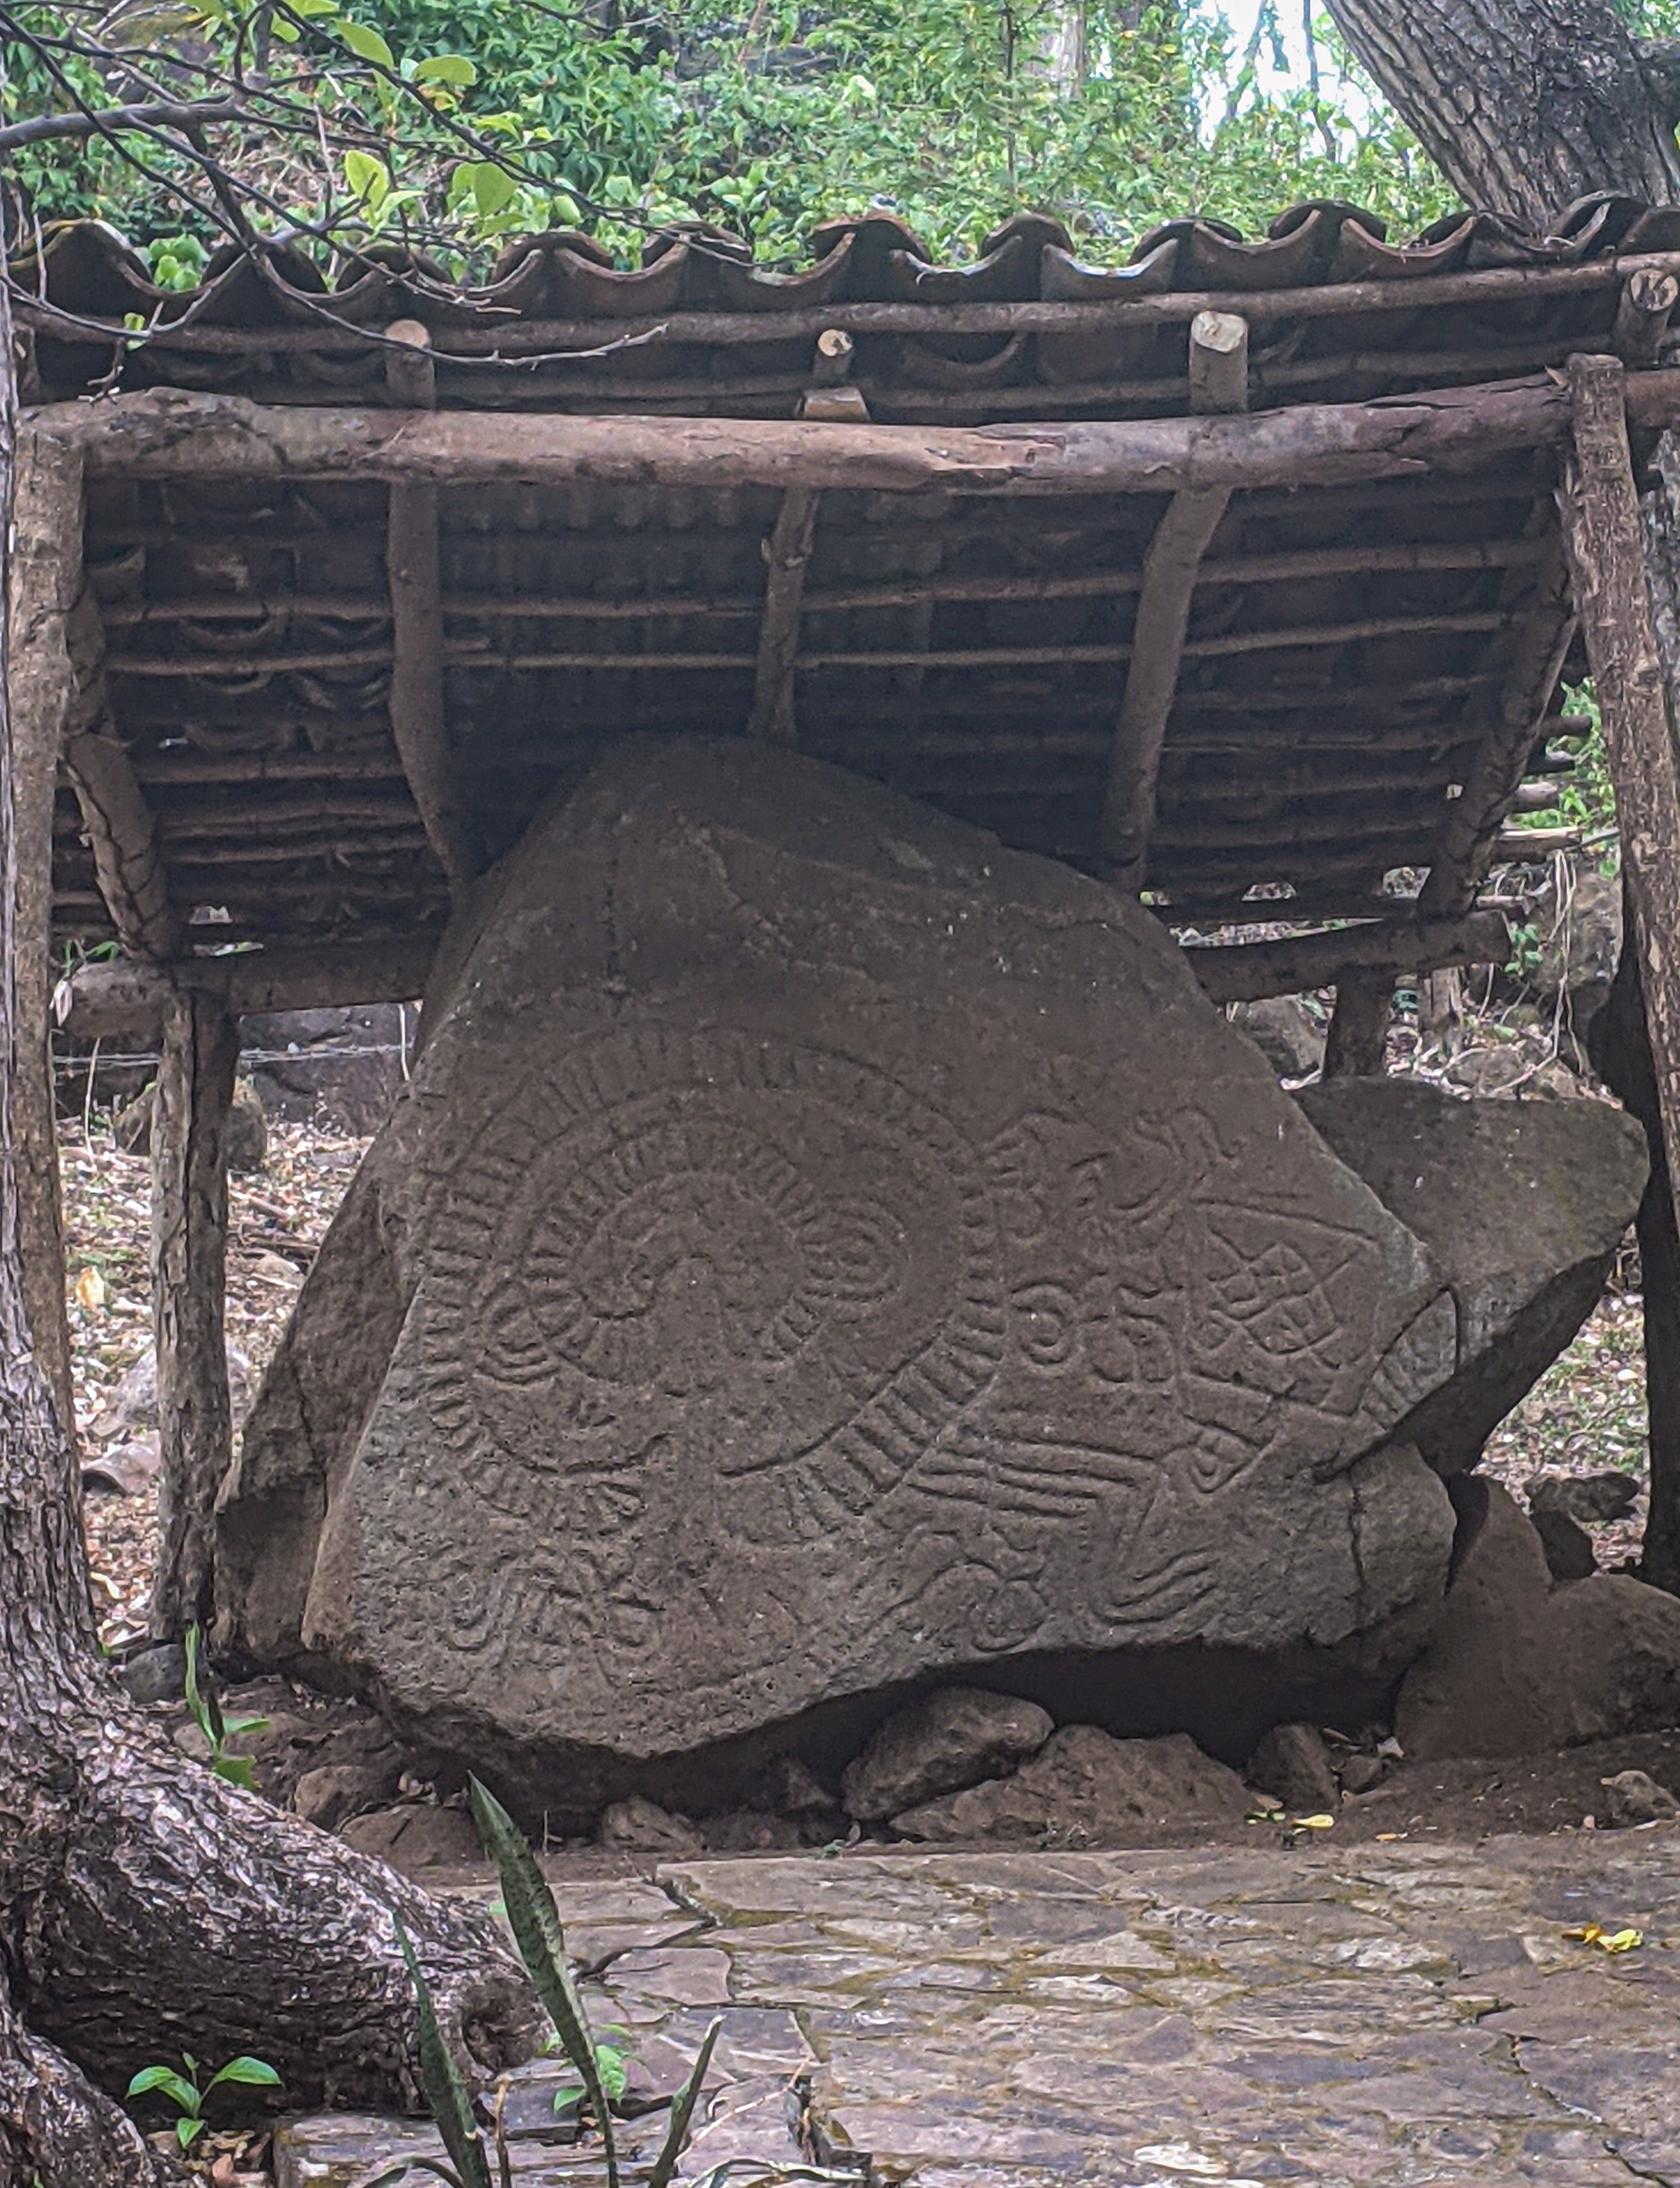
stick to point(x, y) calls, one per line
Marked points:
point(787, 552)
point(126, 1000)
point(1219, 382)
point(176, 433)
point(1243, 972)
point(418, 722)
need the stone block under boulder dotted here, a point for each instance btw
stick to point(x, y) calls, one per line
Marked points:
point(343, 1066)
point(948, 1740)
point(821, 1253)
point(1519, 1664)
point(1522, 1203)
point(1084, 1788)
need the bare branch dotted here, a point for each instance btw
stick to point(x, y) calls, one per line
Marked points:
point(100, 123)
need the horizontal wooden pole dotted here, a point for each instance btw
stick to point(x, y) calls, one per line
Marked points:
point(168, 433)
point(1243, 972)
point(125, 998)
point(536, 337)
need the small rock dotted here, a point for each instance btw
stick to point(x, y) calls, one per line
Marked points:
point(331, 1795)
point(795, 1790)
point(1293, 1763)
point(133, 1403)
point(639, 1826)
point(1633, 1797)
point(156, 1674)
point(1568, 1547)
point(750, 1830)
point(126, 1469)
point(949, 1740)
point(131, 1125)
point(1360, 1772)
point(247, 1131)
point(1287, 1033)
point(1085, 1787)
point(412, 1839)
point(1519, 1665)
point(1588, 1497)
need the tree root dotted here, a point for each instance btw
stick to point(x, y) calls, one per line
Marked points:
point(57, 2128)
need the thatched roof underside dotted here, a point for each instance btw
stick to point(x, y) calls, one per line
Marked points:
point(1349, 649)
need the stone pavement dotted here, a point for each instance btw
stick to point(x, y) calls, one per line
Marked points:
point(1359, 2018)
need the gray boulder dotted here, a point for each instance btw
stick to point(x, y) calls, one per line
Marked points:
point(1519, 1665)
point(1288, 1033)
point(1084, 1788)
point(949, 1740)
point(343, 1066)
point(1293, 1764)
point(822, 1252)
point(1522, 1203)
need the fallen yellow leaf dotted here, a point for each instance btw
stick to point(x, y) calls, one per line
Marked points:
point(90, 1289)
point(1607, 1940)
point(1314, 1823)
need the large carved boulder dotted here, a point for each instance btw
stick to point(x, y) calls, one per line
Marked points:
point(819, 1251)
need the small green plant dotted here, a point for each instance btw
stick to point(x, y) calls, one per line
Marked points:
point(218, 1730)
point(534, 1920)
point(188, 2094)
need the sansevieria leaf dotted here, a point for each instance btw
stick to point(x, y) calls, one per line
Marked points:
point(534, 1920)
point(682, 2111)
point(445, 2092)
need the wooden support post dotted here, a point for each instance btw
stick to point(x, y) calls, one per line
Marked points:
point(46, 574)
point(787, 550)
point(418, 725)
point(1603, 531)
point(1642, 314)
point(1219, 381)
point(199, 1052)
point(1356, 1047)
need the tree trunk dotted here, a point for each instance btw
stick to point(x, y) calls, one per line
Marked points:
point(1527, 106)
point(146, 1907)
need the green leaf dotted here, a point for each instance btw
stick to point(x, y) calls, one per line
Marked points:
point(368, 43)
point(187, 2131)
point(257, 2074)
point(446, 2093)
point(447, 68)
point(615, 2069)
point(569, 2096)
point(682, 2111)
point(235, 1770)
point(369, 177)
point(493, 187)
point(175, 2087)
point(535, 1922)
point(234, 1726)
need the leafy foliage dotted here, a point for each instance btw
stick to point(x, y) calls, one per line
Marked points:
point(188, 2094)
point(206, 1708)
point(454, 123)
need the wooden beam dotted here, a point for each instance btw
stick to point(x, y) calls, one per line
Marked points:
point(1242, 972)
point(200, 1054)
point(127, 999)
point(786, 551)
point(1602, 532)
point(46, 577)
point(121, 829)
point(1642, 314)
point(174, 433)
point(1219, 381)
point(419, 724)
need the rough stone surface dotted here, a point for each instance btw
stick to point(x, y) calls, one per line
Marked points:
point(133, 1403)
point(1287, 1033)
point(156, 1674)
point(343, 1066)
point(1568, 1547)
point(819, 1251)
point(415, 1838)
point(1406, 2016)
point(1523, 1204)
point(1293, 1764)
point(949, 1741)
point(1082, 1788)
point(1518, 1665)
point(639, 1826)
point(331, 1795)
point(1634, 1796)
point(1590, 1498)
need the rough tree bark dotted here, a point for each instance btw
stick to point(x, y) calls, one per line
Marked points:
point(1527, 106)
point(144, 1905)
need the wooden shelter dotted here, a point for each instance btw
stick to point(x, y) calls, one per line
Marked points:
point(1235, 575)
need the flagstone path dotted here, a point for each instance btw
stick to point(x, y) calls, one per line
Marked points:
point(1374, 2016)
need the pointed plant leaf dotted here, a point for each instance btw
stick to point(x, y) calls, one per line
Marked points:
point(682, 2111)
point(446, 2093)
point(257, 2074)
point(534, 1920)
point(175, 2087)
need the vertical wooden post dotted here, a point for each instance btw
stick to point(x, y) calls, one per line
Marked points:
point(1357, 1044)
point(786, 551)
point(200, 1054)
point(1607, 552)
point(46, 577)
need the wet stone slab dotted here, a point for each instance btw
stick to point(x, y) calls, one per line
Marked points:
point(1372, 2017)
